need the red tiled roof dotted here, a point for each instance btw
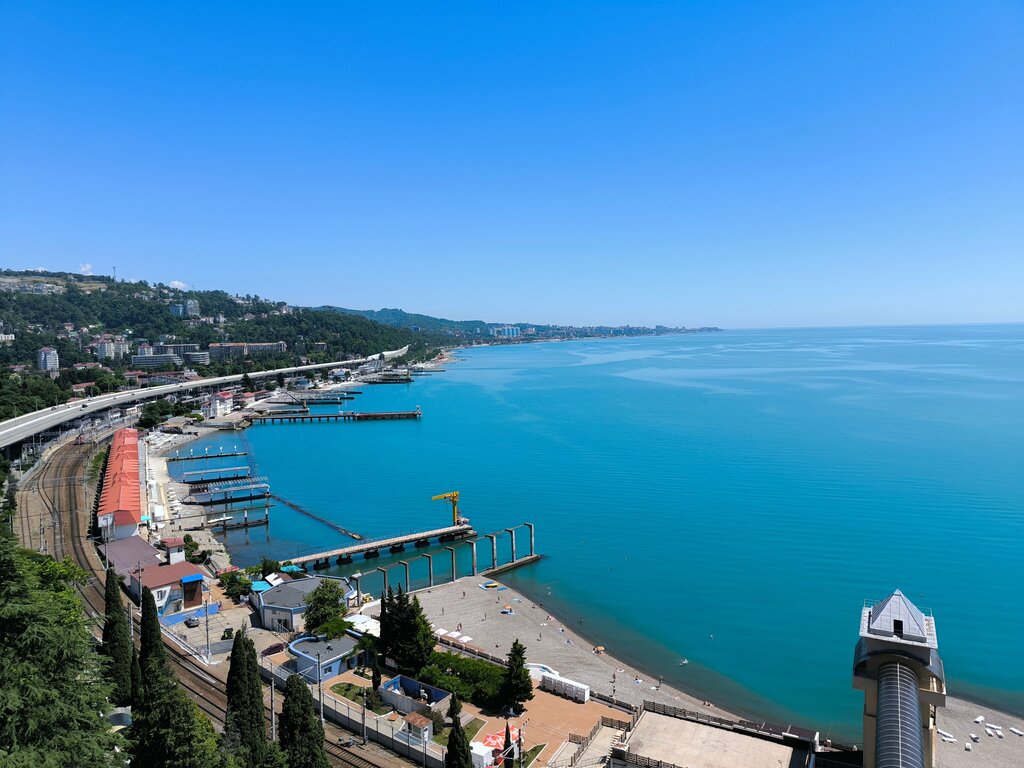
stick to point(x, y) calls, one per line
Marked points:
point(121, 495)
point(162, 575)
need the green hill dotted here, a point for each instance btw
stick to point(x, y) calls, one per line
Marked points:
point(401, 319)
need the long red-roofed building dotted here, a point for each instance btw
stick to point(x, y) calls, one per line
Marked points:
point(120, 508)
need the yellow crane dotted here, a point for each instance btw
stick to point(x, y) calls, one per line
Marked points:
point(453, 497)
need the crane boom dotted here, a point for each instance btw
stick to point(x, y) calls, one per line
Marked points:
point(453, 497)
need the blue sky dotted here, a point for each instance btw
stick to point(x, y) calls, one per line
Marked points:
point(737, 164)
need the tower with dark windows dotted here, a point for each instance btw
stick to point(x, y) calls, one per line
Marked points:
point(897, 666)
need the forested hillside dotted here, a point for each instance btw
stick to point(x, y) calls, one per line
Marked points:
point(142, 311)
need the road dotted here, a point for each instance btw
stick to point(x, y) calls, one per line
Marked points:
point(63, 500)
point(23, 427)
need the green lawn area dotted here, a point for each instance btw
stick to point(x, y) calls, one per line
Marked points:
point(531, 754)
point(471, 731)
point(355, 693)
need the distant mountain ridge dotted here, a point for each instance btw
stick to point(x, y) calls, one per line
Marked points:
point(402, 319)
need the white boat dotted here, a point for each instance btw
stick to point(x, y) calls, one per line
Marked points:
point(216, 520)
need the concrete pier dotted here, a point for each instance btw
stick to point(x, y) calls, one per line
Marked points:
point(373, 548)
point(343, 416)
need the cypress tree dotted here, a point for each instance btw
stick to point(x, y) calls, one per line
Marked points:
point(507, 755)
point(244, 731)
point(385, 644)
point(117, 645)
point(516, 687)
point(302, 735)
point(168, 730)
point(458, 754)
point(152, 656)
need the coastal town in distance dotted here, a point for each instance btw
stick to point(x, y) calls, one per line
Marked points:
point(511, 385)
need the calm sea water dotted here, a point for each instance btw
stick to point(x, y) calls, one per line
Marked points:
point(756, 486)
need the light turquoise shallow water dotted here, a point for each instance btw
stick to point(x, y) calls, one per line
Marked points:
point(756, 486)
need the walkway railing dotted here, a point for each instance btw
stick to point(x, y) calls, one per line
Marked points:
point(350, 716)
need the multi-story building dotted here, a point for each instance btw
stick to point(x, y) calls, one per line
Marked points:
point(48, 360)
point(174, 349)
point(177, 310)
point(197, 358)
point(145, 350)
point(191, 308)
point(227, 350)
point(505, 332)
point(155, 361)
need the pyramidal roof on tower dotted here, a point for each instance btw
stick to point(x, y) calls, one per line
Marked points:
point(896, 616)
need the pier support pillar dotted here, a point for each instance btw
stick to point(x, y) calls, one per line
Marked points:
point(405, 564)
point(359, 590)
point(430, 570)
point(385, 572)
point(452, 550)
point(512, 536)
point(494, 548)
point(530, 526)
point(473, 545)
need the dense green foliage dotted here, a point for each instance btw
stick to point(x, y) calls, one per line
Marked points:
point(168, 731)
point(401, 319)
point(470, 679)
point(302, 735)
point(244, 733)
point(516, 688)
point(405, 635)
point(22, 393)
point(325, 606)
point(458, 754)
point(52, 691)
point(235, 584)
point(158, 411)
point(117, 644)
point(141, 310)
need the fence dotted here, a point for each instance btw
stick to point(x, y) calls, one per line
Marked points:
point(645, 762)
point(355, 718)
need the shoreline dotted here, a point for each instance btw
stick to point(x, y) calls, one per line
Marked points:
point(572, 655)
point(998, 715)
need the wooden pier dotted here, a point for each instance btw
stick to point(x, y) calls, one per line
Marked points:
point(343, 416)
point(371, 549)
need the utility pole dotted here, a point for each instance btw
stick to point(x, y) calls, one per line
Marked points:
point(424, 751)
point(320, 686)
point(364, 717)
point(206, 605)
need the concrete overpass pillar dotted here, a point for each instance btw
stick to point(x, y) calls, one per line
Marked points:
point(530, 526)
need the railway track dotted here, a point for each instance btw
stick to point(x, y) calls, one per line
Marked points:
point(67, 503)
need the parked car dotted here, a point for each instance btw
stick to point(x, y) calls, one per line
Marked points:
point(270, 650)
point(192, 621)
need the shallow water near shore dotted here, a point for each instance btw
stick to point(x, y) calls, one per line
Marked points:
point(729, 498)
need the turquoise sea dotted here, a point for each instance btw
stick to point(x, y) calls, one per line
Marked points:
point(753, 486)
